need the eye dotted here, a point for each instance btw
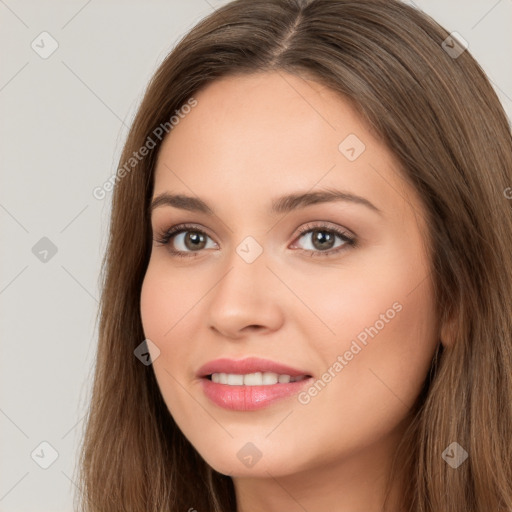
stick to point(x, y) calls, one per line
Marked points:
point(322, 239)
point(187, 240)
point(187, 237)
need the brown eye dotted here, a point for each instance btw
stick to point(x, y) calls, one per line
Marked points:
point(321, 240)
point(194, 240)
point(185, 240)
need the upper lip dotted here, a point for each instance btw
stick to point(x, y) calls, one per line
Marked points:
point(247, 365)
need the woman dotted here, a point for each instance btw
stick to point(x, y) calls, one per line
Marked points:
point(312, 246)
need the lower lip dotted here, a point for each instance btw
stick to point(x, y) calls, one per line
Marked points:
point(249, 398)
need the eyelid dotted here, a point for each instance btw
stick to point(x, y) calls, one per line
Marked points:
point(349, 238)
point(328, 226)
point(168, 233)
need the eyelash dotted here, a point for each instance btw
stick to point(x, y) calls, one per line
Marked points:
point(163, 238)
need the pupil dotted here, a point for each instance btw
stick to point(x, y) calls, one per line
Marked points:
point(324, 239)
point(195, 238)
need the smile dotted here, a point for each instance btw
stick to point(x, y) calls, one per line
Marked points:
point(251, 383)
point(254, 379)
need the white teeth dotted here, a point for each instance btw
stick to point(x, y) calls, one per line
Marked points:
point(270, 378)
point(235, 380)
point(253, 379)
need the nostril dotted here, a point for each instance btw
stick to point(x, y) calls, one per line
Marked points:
point(253, 327)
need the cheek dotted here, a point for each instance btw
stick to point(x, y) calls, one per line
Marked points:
point(152, 306)
point(383, 317)
point(380, 312)
point(166, 303)
point(165, 299)
point(356, 301)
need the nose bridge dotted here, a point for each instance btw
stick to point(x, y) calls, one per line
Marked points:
point(242, 296)
point(247, 269)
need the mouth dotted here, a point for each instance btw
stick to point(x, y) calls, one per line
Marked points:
point(254, 379)
point(250, 384)
point(253, 371)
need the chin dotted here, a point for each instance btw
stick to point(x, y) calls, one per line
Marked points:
point(251, 459)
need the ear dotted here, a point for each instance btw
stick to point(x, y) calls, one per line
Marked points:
point(448, 332)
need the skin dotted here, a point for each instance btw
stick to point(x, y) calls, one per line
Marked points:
point(249, 140)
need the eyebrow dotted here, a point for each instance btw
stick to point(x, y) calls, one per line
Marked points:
point(283, 204)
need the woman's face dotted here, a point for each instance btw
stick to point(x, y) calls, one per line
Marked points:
point(338, 289)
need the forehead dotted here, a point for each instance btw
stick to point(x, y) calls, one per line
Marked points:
point(270, 133)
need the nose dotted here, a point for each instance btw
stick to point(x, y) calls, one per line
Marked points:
point(245, 300)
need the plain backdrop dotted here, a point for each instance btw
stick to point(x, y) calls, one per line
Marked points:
point(63, 121)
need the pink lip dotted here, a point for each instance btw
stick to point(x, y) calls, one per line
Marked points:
point(247, 365)
point(248, 398)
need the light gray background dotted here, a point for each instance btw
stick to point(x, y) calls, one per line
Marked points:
point(63, 121)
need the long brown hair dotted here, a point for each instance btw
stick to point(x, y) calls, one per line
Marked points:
point(441, 118)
